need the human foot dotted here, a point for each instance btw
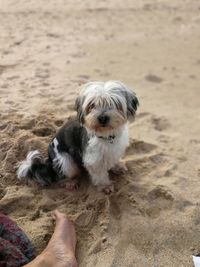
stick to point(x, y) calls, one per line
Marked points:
point(60, 251)
point(61, 247)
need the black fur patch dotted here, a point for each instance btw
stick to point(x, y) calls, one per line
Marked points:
point(72, 138)
point(132, 103)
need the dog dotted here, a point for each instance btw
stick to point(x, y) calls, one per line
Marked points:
point(95, 140)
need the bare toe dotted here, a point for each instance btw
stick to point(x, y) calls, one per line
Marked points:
point(57, 215)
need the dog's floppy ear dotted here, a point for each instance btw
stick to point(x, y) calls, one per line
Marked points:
point(78, 108)
point(132, 103)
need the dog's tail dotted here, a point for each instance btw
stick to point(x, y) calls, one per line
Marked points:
point(36, 168)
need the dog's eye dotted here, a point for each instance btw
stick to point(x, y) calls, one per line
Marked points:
point(90, 107)
point(119, 108)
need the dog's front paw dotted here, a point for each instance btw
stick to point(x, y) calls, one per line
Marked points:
point(107, 189)
point(119, 168)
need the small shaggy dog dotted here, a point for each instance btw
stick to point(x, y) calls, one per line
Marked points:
point(96, 140)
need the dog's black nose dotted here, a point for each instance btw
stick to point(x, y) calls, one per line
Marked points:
point(103, 119)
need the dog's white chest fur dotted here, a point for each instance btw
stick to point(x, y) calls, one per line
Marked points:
point(101, 155)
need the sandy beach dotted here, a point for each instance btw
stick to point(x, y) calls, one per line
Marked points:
point(48, 49)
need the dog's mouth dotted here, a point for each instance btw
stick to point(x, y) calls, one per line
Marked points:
point(103, 125)
point(103, 128)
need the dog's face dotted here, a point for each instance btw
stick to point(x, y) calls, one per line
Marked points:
point(103, 107)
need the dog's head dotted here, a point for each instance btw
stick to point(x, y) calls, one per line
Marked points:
point(104, 106)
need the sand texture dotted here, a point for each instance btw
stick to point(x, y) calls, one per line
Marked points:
point(48, 49)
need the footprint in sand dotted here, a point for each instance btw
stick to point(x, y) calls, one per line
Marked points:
point(140, 156)
point(143, 165)
point(43, 131)
point(86, 220)
point(26, 143)
point(5, 86)
point(58, 122)
point(16, 196)
point(28, 124)
point(42, 73)
point(159, 198)
point(114, 207)
point(144, 161)
point(139, 147)
point(84, 76)
point(4, 147)
point(159, 192)
point(10, 78)
point(153, 78)
point(143, 115)
point(1, 69)
point(160, 124)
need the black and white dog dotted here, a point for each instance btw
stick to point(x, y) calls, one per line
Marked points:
point(96, 140)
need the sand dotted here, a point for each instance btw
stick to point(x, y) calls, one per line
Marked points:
point(48, 49)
